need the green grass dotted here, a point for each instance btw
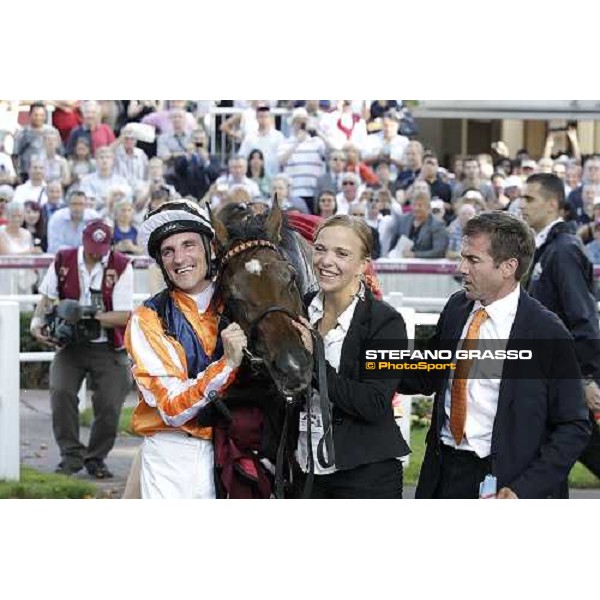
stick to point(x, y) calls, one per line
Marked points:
point(417, 446)
point(34, 484)
point(85, 419)
point(579, 477)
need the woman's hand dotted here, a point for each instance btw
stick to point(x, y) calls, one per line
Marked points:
point(305, 330)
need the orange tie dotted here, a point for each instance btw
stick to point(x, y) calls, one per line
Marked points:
point(458, 404)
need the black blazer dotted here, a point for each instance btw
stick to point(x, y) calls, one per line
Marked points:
point(562, 279)
point(541, 425)
point(364, 429)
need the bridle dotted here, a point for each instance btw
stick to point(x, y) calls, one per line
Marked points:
point(256, 362)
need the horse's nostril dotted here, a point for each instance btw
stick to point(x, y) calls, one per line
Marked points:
point(295, 367)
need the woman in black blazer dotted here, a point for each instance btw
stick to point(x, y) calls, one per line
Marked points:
point(367, 441)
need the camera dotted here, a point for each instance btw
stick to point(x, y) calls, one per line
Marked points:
point(69, 322)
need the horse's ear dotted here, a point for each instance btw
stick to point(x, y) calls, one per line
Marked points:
point(221, 235)
point(274, 220)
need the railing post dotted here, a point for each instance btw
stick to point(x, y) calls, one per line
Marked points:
point(9, 390)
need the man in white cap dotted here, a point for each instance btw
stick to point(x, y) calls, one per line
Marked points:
point(87, 279)
point(180, 360)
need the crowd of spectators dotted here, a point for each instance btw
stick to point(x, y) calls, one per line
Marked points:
point(116, 160)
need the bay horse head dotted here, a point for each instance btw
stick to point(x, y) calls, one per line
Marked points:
point(259, 291)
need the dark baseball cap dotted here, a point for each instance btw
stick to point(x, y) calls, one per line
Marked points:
point(97, 237)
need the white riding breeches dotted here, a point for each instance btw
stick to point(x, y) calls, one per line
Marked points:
point(176, 466)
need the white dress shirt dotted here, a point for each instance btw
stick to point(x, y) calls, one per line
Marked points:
point(482, 393)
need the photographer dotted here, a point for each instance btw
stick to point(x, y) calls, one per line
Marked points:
point(302, 156)
point(194, 172)
point(89, 339)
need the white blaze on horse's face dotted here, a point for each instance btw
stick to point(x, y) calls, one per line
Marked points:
point(253, 267)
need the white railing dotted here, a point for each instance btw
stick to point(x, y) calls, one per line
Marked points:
point(9, 391)
point(32, 357)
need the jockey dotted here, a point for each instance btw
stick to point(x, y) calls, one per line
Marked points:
point(179, 357)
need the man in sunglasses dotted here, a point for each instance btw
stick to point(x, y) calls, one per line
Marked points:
point(6, 195)
point(350, 192)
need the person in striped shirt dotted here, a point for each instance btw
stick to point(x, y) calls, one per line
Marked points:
point(302, 157)
point(180, 360)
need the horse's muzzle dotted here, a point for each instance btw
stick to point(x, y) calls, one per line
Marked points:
point(293, 369)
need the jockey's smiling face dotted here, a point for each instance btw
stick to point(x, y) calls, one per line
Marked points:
point(184, 260)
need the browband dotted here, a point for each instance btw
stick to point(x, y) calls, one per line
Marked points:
point(243, 246)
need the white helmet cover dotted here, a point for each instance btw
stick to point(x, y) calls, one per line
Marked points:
point(176, 216)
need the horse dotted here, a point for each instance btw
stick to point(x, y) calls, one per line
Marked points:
point(263, 269)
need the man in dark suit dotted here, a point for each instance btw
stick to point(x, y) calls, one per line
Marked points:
point(429, 236)
point(529, 426)
point(332, 180)
point(562, 279)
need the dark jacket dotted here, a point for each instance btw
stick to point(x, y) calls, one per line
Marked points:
point(432, 239)
point(541, 424)
point(562, 279)
point(364, 429)
point(575, 202)
point(192, 176)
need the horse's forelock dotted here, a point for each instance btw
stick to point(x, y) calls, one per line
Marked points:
point(241, 227)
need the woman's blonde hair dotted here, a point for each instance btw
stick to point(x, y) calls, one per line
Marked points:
point(355, 224)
